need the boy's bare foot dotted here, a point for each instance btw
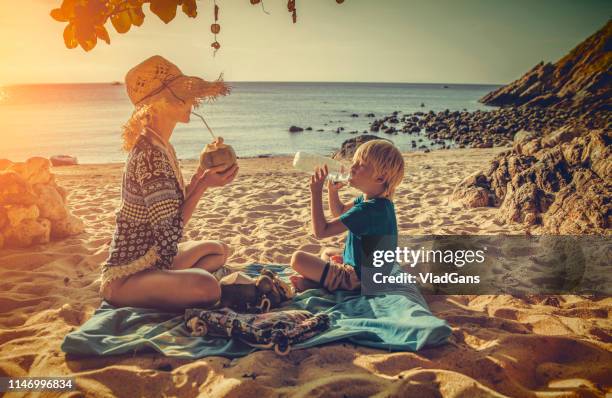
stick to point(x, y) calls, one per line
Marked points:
point(302, 283)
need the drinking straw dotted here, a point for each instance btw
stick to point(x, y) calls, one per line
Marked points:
point(207, 126)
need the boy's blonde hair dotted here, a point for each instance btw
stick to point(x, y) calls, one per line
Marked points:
point(386, 160)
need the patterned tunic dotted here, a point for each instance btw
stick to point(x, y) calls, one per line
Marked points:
point(149, 220)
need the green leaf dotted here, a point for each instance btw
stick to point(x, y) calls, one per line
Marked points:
point(69, 36)
point(164, 9)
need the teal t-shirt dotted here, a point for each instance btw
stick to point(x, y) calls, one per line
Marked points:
point(368, 218)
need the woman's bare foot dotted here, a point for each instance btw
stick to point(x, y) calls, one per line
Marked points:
point(300, 283)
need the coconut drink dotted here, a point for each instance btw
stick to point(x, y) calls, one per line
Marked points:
point(217, 153)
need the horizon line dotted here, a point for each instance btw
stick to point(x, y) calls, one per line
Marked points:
point(117, 82)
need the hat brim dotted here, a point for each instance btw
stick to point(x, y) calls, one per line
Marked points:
point(198, 89)
point(187, 88)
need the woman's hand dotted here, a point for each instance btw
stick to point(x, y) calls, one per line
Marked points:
point(210, 178)
point(318, 179)
point(216, 177)
point(193, 183)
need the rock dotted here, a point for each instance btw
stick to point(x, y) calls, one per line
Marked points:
point(308, 128)
point(5, 164)
point(354, 115)
point(579, 80)
point(27, 233)
point(486, 144)
point(4, 221)
point(63, 160)
point(295, 129)
point(14, 190)
point(521, 138)
point(348, 148)
point(565, 187)
point(581, 207)
point(559, 136)
point(66, 227)
point(32, 206)
point(370, 115)
point(37, 171)
point(16, 214)
point(472, 192)
point(50, 202)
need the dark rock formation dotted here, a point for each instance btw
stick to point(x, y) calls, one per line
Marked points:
point(348, 148)
point(579, 81)
point(295, 129)
point(562, 181)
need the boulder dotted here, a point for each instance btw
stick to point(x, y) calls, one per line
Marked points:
point(15, 190)
point(66, 227)
point(16, 214)
point(50, 202)
point(27, 233)
point(5, 164)
point(4, 220)
point(565, 187)
point(560, 136)
point(521, 139)
point(348, 148)
point(295, 129)
point(32, 206)
point(63, 160)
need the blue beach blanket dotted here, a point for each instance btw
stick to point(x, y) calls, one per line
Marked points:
point(390, 322)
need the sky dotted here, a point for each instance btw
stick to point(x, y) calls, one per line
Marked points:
point(414, 41)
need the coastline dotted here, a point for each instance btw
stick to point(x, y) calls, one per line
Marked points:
point(500, 344)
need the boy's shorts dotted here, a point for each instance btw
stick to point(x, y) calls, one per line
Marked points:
point(338, 276)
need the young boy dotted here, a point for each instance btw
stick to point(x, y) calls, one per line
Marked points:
point(377, 170)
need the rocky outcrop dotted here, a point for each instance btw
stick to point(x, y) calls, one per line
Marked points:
point(562, 181)
point(32, 206)
point(348, 148)
point(580, 81)
point(477, 129)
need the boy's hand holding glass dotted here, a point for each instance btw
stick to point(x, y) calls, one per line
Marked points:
point(318, 179)
point(333, 186)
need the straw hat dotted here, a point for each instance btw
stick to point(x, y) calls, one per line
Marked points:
point(156, 77)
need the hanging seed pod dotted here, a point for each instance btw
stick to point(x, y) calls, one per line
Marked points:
point(215, 28)
point(339, 1)
point(291, 5)
point(294, 16)
point(216, 45)
point(255, 2)
point(216, 12)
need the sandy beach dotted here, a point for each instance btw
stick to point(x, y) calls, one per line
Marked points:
point(501, 345)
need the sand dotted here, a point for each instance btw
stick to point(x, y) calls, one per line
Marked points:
point(501, 346)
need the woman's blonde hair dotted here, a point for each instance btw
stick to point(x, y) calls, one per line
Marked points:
point(144, 115)
point(386, 160)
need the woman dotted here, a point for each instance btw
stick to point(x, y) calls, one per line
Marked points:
point(147, 267)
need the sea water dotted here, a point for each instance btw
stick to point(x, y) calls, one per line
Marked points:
point(85, 120)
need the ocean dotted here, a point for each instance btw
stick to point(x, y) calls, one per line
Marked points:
point(84, 120)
